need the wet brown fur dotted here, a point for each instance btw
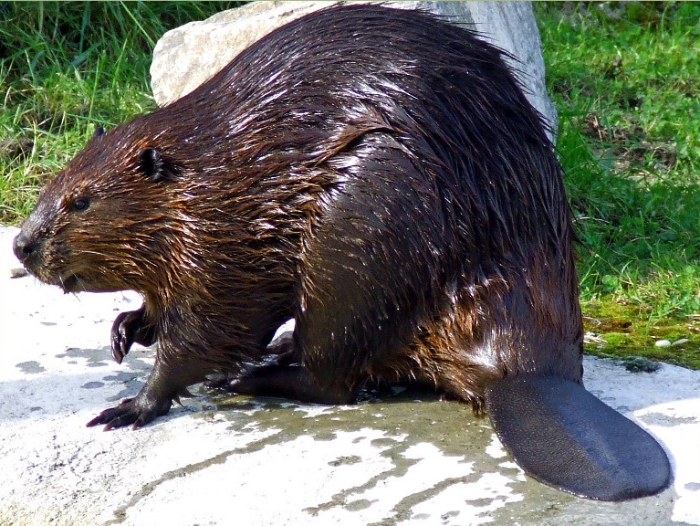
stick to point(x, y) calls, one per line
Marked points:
point(394, 192)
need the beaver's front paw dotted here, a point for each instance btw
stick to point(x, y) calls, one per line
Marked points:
point(137, 411)
point(130, 327)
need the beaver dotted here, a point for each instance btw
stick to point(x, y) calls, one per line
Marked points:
point(378, 176)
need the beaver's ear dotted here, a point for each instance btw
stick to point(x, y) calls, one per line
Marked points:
point(98, 131)
point(155, 166)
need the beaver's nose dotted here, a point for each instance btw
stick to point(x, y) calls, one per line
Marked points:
point(24, 247)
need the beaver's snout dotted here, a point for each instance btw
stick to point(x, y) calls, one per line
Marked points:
point(26, 247)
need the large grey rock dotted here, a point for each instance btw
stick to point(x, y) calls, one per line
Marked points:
point(187, 56)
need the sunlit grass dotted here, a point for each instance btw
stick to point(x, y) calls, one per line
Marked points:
point(626, 81)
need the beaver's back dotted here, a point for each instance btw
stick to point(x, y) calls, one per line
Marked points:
point(314, 88)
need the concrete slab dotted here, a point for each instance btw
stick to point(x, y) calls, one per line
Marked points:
point(409, 459)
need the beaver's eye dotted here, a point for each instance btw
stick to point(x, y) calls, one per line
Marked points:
point(81, 204)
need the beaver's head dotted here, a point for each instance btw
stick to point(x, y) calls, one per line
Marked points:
point(105, 222)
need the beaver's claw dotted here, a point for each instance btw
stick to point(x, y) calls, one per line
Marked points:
point(122, 335)
point(138, 411)
point(130, 327)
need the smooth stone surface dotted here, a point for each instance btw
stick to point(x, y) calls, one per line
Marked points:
point(188, 55)
point(409, 459)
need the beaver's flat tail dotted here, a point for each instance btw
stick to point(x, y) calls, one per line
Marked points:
point(563, 436)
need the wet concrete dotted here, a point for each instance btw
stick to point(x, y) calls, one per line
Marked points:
point(403, 457)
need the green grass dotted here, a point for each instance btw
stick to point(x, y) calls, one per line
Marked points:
point(624, 77)
point(626, 81)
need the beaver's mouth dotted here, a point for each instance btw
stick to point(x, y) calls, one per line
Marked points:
point(68, 281)
point(82, 282)
point(71, 283)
